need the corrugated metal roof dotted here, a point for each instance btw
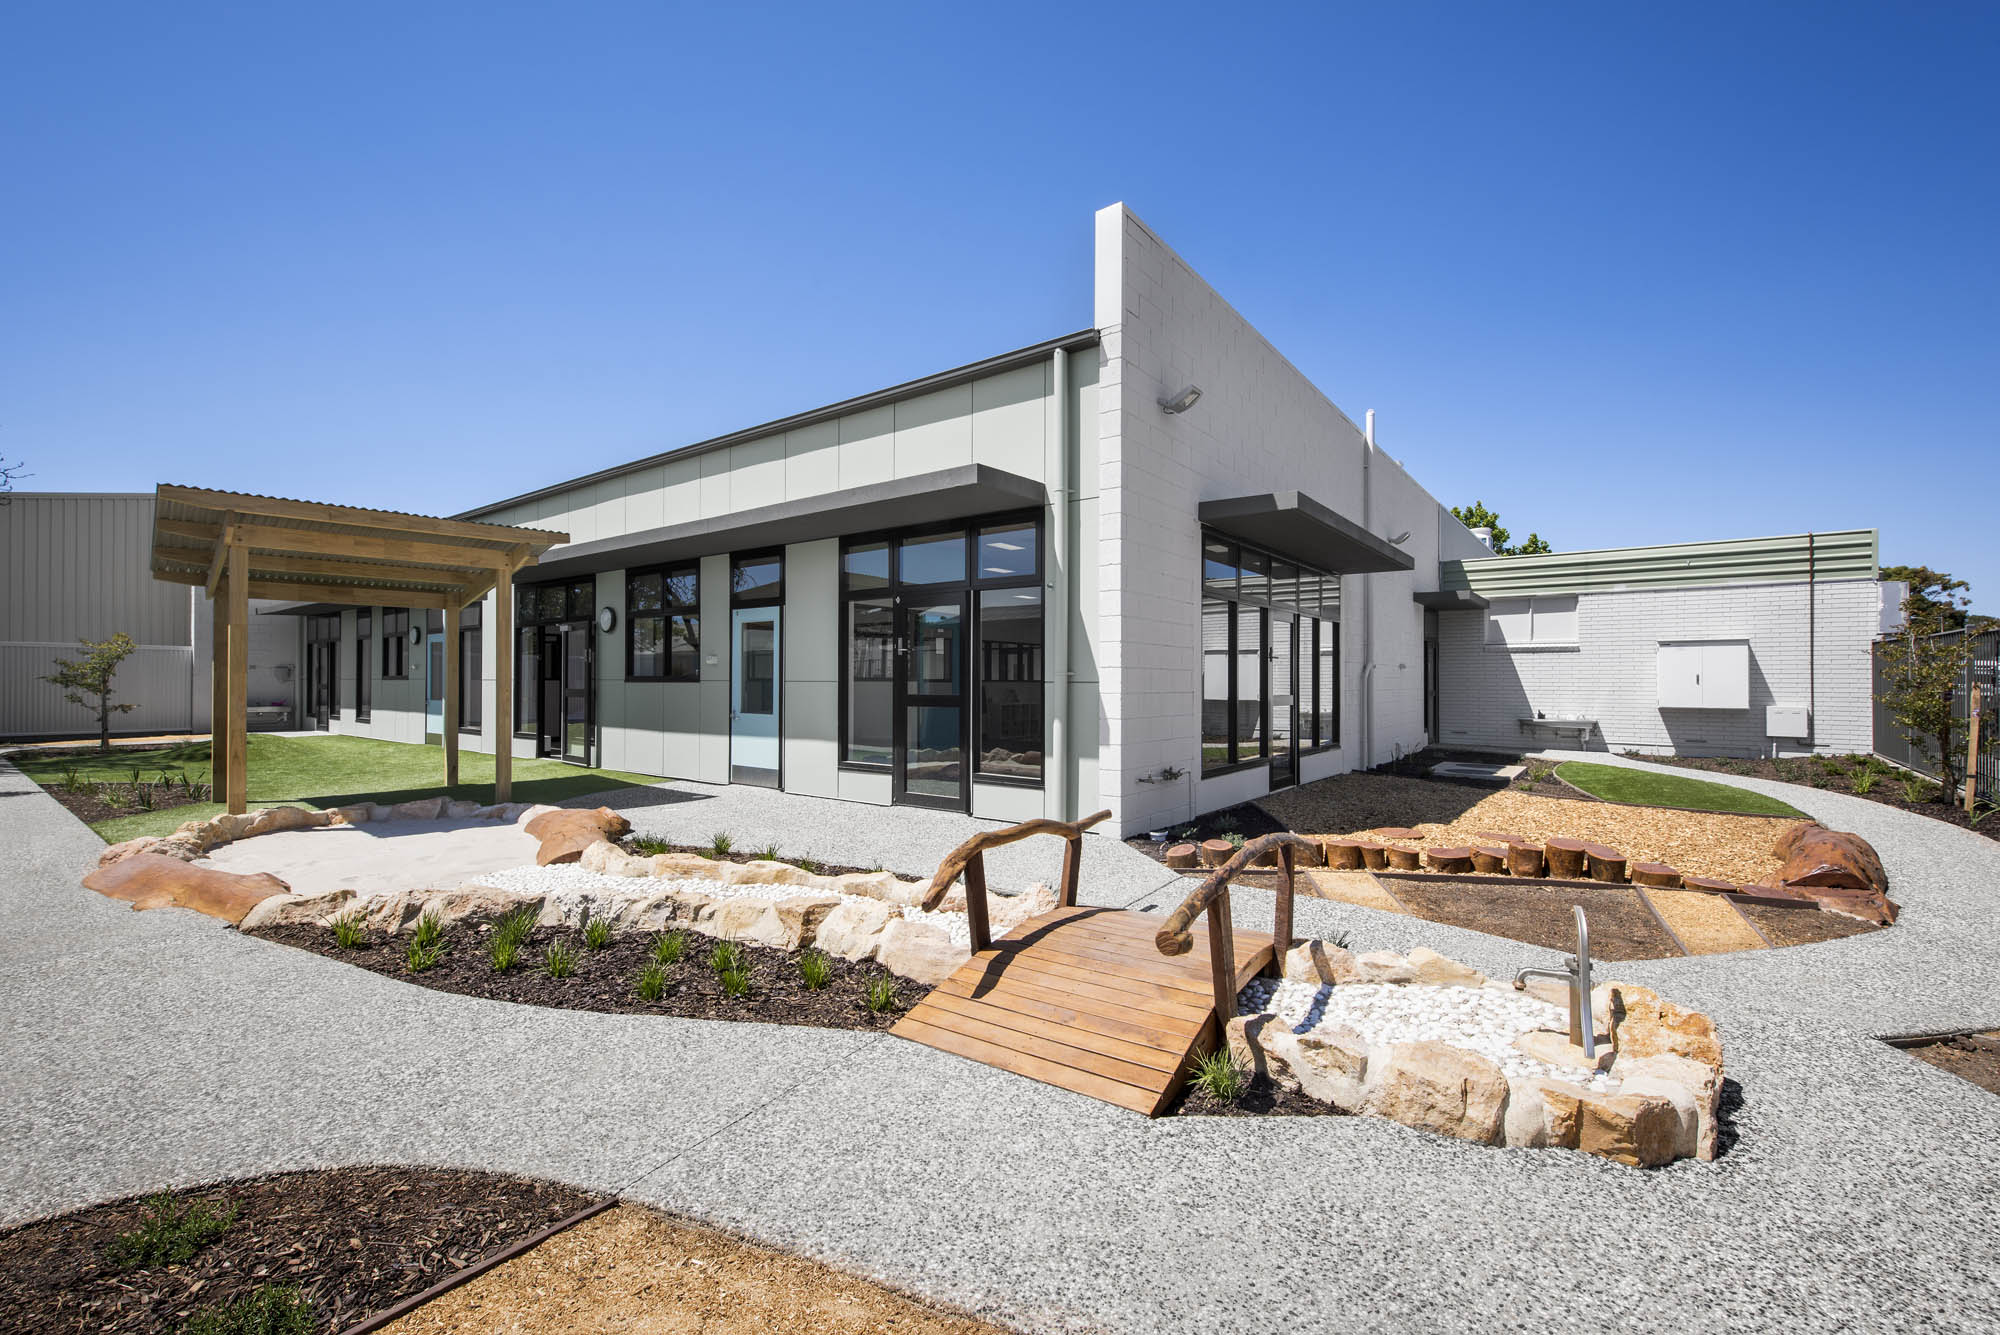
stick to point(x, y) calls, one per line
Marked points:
point(1844, 554)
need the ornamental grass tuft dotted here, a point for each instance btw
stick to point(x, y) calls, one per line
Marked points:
point(559, 960)
point(720, 843)
point(668, 947)
point(169, 1234)
point(348, 933)
point(597, 934)
point(882, 994)
point(735, 981)
point(269, 1309)
point(1220, 1076)
point(727, 955)
point(652, 981)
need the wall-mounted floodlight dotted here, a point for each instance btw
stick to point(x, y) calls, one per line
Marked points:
point(1400, 538)
point(1182, 401)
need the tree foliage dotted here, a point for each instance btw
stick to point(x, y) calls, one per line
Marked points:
point(86, 681)
point(10, 473)
point(1924, 669)
point(1477, 515)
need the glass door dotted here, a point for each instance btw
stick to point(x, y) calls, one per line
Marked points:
point(549, 691)
point(930, 750)
point(1284, 725)
point(578, 699)
point(753, 706)
point(434, 690)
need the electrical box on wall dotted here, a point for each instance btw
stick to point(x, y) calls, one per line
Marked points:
point(1787, 721)
point(1705, 674)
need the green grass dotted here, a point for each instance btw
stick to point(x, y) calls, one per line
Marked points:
point(169, 1233)
point(269, 1309)
point(319, 772)
point(1644, 788)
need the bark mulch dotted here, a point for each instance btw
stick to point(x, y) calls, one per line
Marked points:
point(605, 980)
point(109, 801)
point(645, 847)
point(1837, 774)
point(1260, 1098)
point(353, 1240)
point(1973, 1057)
point(1802, 927)
point(1621, 926)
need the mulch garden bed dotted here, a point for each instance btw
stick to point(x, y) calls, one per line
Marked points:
point(605, 980)
point(1836, 774)
point(1260, 1098)
point(644, 847)
point(1621, 926)
point(1971, 1057)
point(1246, 821)
point(352, 1240)
point(1801, 927)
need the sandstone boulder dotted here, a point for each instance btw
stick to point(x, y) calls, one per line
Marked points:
point(298, 910)
point(608, 859)
point(418, 808)
point(475, 901)
point(276, 820)
point(460, 810)
point(1328, 1065)
point(1437, 1087)
point(1385, 966)
point(1320, 964)
point(1007, 912)
point(919, 951)
point(119, 852)
point(1548, 1046)
point(783, 924)
point(353, 814)
point(186, 847)
point(153, 881)
point(1694, 1088)
point(885, 886)
point(1431, 967)
point(762, 872)
point(1643, 1024)
point(565, 833)
point(853, 929)
point(1642, 1130)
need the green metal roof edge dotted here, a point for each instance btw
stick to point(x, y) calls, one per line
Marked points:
point(1844, 554)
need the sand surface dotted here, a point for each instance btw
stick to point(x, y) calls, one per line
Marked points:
point(380, 856)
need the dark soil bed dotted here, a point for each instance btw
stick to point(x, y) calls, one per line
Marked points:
point(1800, 927)
point(1621, 926)
point(606, 980)
point(1837, 774)
point(1540, 779)
point(647, 847)
point(1972, 1057)
point(1260, 1099)
point(108, 801)
point(353, 1240)
point(1246, 821)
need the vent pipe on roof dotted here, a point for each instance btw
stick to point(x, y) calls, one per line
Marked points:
point(1485, 536)
point(1368, 429)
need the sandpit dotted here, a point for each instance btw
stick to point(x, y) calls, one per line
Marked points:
point(381, 856)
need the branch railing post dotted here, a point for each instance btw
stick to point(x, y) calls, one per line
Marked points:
point(1212, 898)
point(975, 903)
point(969, 860)
point(1222, 957)
point(1072, 871)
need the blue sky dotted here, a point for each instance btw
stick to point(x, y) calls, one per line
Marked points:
point(1628, 273)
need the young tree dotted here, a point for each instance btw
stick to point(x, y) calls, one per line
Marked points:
point(1924, 669)
point(87, 681)
point(1477, 515)
point(9, 475)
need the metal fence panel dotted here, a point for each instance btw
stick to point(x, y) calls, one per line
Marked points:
point(1984, 669)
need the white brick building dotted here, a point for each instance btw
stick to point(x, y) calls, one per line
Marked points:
point(1048, 582)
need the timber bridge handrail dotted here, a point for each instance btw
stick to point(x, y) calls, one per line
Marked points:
point(1212, 896)
point(969, 860)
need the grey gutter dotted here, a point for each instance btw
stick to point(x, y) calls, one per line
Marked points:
point(958, 375)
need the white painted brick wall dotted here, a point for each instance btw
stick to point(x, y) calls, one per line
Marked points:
point(1612, 677)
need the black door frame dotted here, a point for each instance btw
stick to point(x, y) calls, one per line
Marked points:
point(903, 699)
point(1273, 618)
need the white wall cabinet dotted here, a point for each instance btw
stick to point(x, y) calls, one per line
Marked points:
point(1707, 674)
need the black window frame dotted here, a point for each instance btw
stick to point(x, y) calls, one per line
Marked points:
point(395, 644)
point(970, 587)
point(670, 610)
point(471, 661)
point(364, 665)
point(1324, 629)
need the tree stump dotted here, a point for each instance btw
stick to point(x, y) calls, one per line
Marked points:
point(1605, 863)
point(1566, 859)
point(1215, 852)
point(1524, 859)
point(1374, 857)
point(1183, 856)
point(1343, 854)
point(1404, 859)
point(1656, 874)
point(1489, 861)
point(1393, 832)
point(1709, 885)
point(1457, 859)
point(1313, 854)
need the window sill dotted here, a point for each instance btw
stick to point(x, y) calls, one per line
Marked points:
point(1564, 647)
point(1008, 780)
point(862, 767)
point(1218, 771)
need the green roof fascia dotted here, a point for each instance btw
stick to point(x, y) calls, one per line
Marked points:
point(1845, 554)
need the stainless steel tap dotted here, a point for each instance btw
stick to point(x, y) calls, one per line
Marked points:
point(1575, 972)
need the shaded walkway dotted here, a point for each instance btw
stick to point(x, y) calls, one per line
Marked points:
point(143, 1050)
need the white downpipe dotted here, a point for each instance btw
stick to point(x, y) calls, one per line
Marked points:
point(1367, 601)
point(1057, 579)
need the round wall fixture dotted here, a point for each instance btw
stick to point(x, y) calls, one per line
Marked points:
point(607, 620)
point(416, 635)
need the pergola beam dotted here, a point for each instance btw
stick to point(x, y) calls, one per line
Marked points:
point(320, 512)
point(220, 553)
point(371, 547)
point(306, 591)
point(441, 580)
point(239, 671)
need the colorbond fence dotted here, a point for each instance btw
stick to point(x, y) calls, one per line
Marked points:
point(1984, 671)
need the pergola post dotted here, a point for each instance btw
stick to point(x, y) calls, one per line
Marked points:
point(239, 671)
point(503, 685)
point(218, 692)
point(453, 616)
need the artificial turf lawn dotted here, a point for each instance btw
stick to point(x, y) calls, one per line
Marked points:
point(1643, 788)
point(317, 772)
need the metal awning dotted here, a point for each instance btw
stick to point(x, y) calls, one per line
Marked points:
point(950, 493)
point(1452, 600)
point(1294, 525)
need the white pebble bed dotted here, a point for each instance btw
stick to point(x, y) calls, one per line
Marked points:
point(1484, 1020)
point(570, 879)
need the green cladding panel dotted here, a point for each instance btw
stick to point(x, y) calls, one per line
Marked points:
point(1848, 554)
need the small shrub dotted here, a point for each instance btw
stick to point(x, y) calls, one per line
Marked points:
point(430, 932)
point(597, 934)
point(348, 933)
point(559, 960)
point(503, 951)
point(815, 970)
point(168, 1233)
point(727, 955)
point(1225, 822)
point(652, 981)
point(646, 846)
point(1220, 1076)
point(668, 947)
point(1917, 791)
point(1235, 840)
point(720, 843)
point(420, 957)
point(882, 993)
point(270, 1309)
point(735, 982)
point(808, 865)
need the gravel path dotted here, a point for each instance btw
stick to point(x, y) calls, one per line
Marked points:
point(155, 1049)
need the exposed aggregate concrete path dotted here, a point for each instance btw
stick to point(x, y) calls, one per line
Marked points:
point(144, 1050)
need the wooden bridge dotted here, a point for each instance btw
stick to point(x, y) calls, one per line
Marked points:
point(1111, 1003)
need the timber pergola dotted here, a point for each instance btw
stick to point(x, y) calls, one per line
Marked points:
point(238, 547)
